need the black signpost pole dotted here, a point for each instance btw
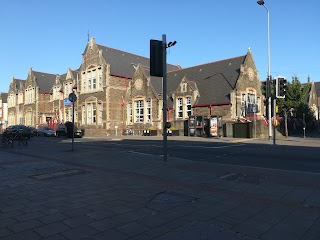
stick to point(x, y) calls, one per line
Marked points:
point(72, 126)
point(72, 98)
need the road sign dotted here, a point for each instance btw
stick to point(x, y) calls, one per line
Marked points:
point(254, 109)
point(67, 102)
point(72, 97)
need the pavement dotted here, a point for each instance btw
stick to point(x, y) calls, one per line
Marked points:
point(97, 193)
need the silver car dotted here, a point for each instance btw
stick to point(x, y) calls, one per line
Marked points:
point(46, 132)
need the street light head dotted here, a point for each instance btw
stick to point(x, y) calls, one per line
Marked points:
point(260, 2)
point(171, 44)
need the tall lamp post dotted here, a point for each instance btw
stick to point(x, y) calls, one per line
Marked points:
point(261, 2)
point(318, 90)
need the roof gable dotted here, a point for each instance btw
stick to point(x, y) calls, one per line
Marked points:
point(45, 81)
point(214, 80)
point(124, 63)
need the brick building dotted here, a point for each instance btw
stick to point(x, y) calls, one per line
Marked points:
point(116, 92)
point(3, 111)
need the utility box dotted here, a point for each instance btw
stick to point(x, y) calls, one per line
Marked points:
point(242, 130)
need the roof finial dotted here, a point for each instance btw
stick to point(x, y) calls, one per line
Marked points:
point(88, 36)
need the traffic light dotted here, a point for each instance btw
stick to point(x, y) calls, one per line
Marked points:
point(266, 89)
point(281, 87)
point(156, 58)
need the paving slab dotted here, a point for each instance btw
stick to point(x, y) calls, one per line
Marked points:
point(130, 196)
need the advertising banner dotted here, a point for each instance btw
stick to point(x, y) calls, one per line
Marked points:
point(214, 126)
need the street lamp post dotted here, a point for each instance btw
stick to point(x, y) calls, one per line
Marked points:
point(318, 90)
point(261, 2)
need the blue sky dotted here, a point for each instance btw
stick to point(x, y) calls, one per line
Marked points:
point(51, 35)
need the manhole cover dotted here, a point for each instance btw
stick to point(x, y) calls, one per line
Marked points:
point(171, 197)
point(57, 174)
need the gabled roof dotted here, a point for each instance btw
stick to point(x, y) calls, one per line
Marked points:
point(45, 81)
point(122, 63)
point(214, 80)
point(19, 84)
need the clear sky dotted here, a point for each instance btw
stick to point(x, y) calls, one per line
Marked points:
point(51, 35)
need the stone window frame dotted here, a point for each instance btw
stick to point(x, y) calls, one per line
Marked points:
point(56, 94)
point(84, 116)
point(188, 104)
point(130, 112)
point(100, 112)
point(92, 79)
point(11, 119)
point(20, 98)
point(11, 100)
point(183, 108)
point(137, 108)
point(179, 105)
point(90, 111)
point(148, 111)
point(246, 101)
point(29, 121)
point(68, 88)
point(29, 95)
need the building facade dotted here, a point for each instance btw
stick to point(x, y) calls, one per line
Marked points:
point(3, 111)
point(115, 92)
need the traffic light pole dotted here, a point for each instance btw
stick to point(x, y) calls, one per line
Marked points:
point(164, 97)
point(269, 110)
point(274, 118)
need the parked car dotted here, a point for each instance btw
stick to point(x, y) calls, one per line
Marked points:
point(33, 131)
point(21, 130)
point(66, 130)
point(46, 132)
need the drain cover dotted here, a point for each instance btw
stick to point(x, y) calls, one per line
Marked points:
point(64, 173)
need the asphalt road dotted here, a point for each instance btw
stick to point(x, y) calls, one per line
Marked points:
point(293, 158)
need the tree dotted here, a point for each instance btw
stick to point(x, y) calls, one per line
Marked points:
point(295, 102)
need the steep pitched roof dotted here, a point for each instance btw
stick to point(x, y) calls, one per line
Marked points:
point(122, 63)
point(45, 81)
point(214, 80)
point(19, 84)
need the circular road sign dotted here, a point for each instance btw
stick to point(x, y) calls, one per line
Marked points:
point(72, 97)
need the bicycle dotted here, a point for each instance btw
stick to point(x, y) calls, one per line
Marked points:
point(6, 140)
